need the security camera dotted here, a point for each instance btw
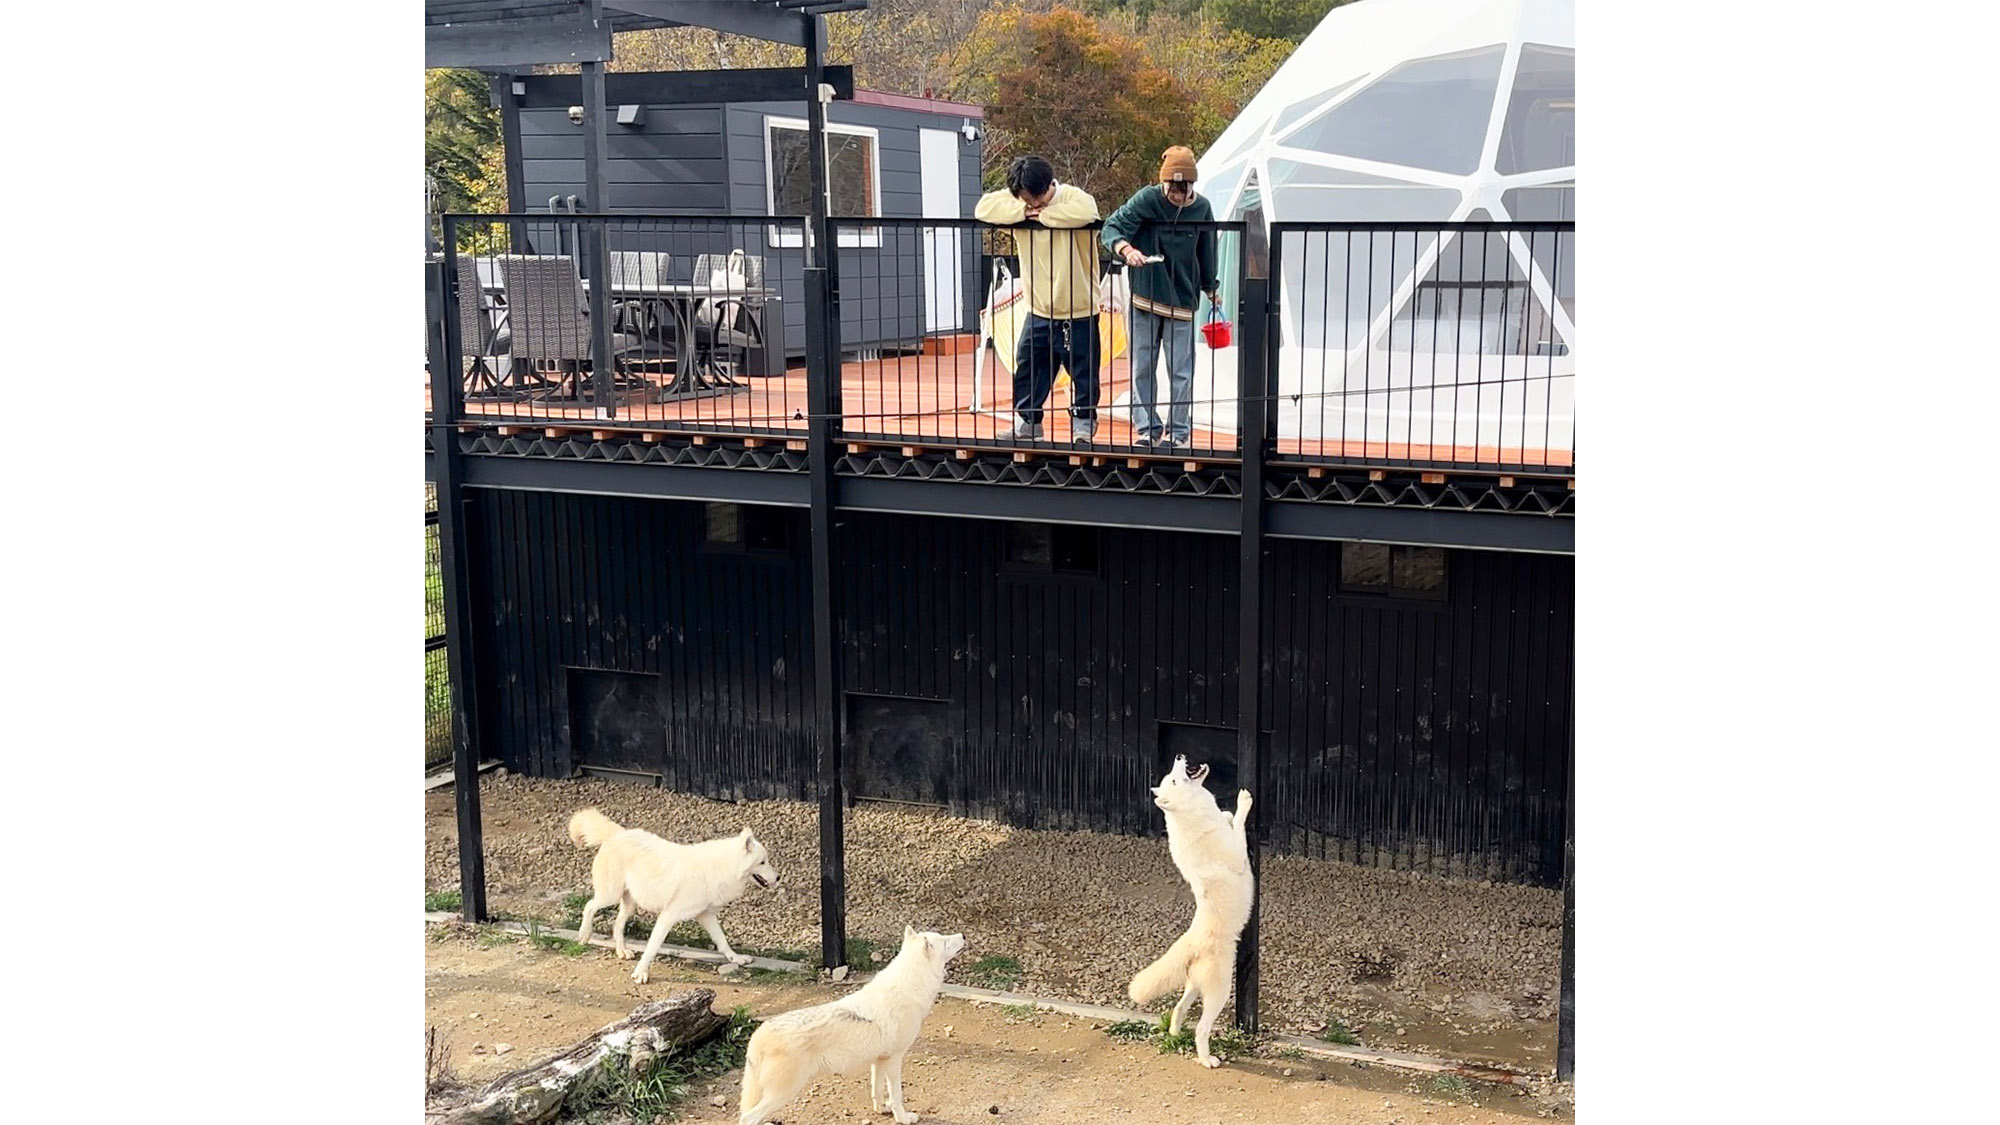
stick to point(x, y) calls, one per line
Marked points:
point(970, 132)
point(576, 115)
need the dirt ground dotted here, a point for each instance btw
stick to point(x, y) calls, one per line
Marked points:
point(973, 1063)
point(1456, 968)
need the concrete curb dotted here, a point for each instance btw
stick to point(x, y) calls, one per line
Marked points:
point(1403, 1060)
point(440, 780)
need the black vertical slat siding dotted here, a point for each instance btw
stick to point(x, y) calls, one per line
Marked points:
point(1415, 734)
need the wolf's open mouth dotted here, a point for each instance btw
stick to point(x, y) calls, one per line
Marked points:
point(761, 881)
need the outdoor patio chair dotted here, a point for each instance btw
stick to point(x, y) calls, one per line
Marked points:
point(550, 319)
point(482, 329)
point(728, 328)
point(650, 320)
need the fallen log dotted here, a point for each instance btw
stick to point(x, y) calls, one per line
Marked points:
point(537, 1093)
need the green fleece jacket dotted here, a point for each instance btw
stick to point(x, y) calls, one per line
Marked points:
point(1155, 226)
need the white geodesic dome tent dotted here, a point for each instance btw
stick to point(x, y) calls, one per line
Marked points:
point(1415, 111)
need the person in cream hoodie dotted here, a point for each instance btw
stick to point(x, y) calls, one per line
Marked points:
point(1059, 270)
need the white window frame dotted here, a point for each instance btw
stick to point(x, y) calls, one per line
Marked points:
point(794, 236)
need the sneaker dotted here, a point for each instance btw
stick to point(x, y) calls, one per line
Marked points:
point(1146, 439)
point(1021, 431)
point(1083, 432)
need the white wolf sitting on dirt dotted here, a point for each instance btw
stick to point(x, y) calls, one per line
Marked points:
point(637, 869)
point(872, 1027)
point(1211, 849)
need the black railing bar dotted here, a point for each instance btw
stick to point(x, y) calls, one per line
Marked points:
point(1477, 226)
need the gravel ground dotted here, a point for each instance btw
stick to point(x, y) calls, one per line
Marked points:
point(1410, 961)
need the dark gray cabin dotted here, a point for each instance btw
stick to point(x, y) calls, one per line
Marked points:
point(891, 156)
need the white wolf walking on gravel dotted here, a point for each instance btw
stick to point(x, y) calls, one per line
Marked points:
point(1211, 849)
point(872, 1027)
point(638, 870)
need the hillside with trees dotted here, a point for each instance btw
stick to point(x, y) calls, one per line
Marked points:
point(1098, 86)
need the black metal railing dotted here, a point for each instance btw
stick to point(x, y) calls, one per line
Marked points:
point(693, 327)
point(1438, 345)
point(1025, 337)
point(1445, 345)
point(437, 694)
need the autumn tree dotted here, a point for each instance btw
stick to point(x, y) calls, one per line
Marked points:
point(463, 159)
point(1290, 20)
point(1056, 83)
point(1216, 70)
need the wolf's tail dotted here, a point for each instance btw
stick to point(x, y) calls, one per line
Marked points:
point(590, 828)
point(1167, 973)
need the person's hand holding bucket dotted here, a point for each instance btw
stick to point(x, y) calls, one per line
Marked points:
point(1216, 331)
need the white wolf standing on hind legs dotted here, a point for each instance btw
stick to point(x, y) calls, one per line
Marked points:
point(873, 1027)
point(677, 882)
point(1211, 848)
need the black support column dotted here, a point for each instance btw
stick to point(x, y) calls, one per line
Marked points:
point(1253, 413)
point(1566, 1013)
point(590, 241)
point(441, 310)
point(822, 405)
point(501, 88)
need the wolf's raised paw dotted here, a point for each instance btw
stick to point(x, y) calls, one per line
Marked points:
point(1242, 799)
point(740, 958)
point(639, 976)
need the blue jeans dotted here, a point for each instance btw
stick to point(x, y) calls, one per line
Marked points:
point(1150, 331)
point(1046, 345)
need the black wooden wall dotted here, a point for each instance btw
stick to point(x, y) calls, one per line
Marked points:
point(1040, 675)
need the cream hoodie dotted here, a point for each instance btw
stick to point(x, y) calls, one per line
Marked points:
point(1058, 265)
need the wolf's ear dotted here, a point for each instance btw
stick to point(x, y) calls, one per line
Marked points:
point(909, 932)
point(747, 841)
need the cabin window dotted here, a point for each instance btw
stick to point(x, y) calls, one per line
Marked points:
point(853, 176)
point(737, 528)
point(1380, 568)
point(1052, 548)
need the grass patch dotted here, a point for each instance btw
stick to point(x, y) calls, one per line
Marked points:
point(491, 935)
point(1451, 1086)
point(1132, 1031)
point(1337, 1032)
point(661, 1090)
point(542, 939)
point(861, 952)
point(1018, 1011)
point(1224, 1041)
point(1293, 1053)
point(996, 971)
point(439, 901)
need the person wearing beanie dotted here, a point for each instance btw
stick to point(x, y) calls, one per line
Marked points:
point(1156, 222)
point(1059, 271)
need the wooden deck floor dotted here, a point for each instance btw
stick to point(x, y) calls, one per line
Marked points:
point(927, 401)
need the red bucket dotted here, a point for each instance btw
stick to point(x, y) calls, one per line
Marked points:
point(1216, 332)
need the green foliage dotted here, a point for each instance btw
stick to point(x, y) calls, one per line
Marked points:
point(1451, 1086)
point(997, 971)
point(1058, 83)
point(660, 1091)
point(465, 164)
point(436, 901)
point(1221, 1040)
point(1337, 1032)
point(1291, 20)
point(1132, 1031)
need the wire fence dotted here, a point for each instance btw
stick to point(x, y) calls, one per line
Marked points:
point(437, 688)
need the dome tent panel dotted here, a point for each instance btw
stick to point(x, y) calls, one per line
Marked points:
point(1425, 113)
